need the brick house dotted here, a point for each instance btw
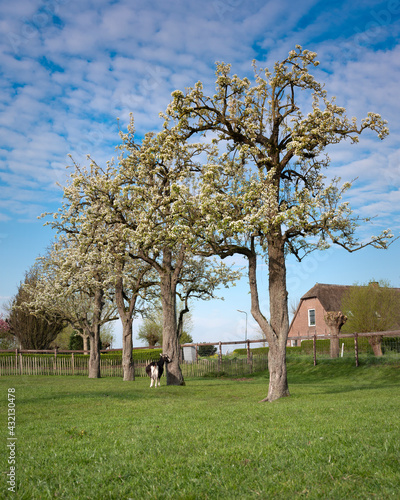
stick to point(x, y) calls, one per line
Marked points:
point(310, 313)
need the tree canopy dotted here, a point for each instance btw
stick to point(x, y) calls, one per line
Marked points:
point(33, 331)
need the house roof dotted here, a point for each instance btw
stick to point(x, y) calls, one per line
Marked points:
point(330, 296)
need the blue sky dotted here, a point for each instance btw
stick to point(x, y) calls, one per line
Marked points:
point(70, 68)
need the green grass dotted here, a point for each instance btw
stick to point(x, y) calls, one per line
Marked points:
point(337, 436)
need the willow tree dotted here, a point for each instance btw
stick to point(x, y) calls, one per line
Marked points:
point(263, 192)
point(372, 307)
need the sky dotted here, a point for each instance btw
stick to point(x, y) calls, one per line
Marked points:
point(70, 69)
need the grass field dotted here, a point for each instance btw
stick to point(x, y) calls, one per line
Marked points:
point(336, 437)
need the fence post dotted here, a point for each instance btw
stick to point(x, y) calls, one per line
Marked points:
point(73, 363)
point(220, 357)
point(356, 347)
point(20, 364)
point(315, 349)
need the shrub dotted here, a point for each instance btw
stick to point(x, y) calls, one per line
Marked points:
point(256, 351)
point(391, 344)
point(75, 342)
point(207, 350)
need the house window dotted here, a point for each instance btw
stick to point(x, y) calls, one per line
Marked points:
point(311, 317)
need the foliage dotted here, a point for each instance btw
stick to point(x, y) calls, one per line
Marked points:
point(151, 328)
point(75, 342)
point(33, 331)
point(371, 307)
point(63, 338)
point(255, 351)
point(4, 326)
point(7, 340)
point(323, 345)
point(185, 338)
point(206, 350)
point(391, 344)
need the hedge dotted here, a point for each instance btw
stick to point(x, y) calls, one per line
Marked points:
point(256, 350)
point(323, 345)
point(262, 351)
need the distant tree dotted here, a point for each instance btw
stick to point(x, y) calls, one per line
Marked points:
point(76, 339)
point(75, 342)
point(7, 341)
point(186, 338)
point(62, 339)
point(32, 331)
point(151, 330)
point(371, 307)
point(107, 336)
point(207, 350)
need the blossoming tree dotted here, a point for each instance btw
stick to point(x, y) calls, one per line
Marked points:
point(146, 203)
point(262, 191)
point(72, 286)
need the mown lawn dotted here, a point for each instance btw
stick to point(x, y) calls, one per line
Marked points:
point(337, 436)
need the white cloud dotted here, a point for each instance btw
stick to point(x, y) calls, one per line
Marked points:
point(65, 80)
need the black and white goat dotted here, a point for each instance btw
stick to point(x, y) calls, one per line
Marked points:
point(155, 369)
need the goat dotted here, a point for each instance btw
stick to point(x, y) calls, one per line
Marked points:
point(155, 369)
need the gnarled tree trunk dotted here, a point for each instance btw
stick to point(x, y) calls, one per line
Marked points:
point(376, 344)
point(335, 320)
point(279, 319)
point(277, 329)
point(170, 332)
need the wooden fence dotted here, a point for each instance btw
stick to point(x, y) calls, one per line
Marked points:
point(40, 365)
point(16, 363)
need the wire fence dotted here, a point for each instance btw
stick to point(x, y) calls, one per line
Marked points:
point(240, 363)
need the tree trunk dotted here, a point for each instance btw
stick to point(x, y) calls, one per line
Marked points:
point(94, 359)
point(279, 319)
point(170, 334)
point(85, 344)
point(277, 329)
point(128, 368)
point(335, 320)
point(278, 385)
point(376, 344)
point(334, 346)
